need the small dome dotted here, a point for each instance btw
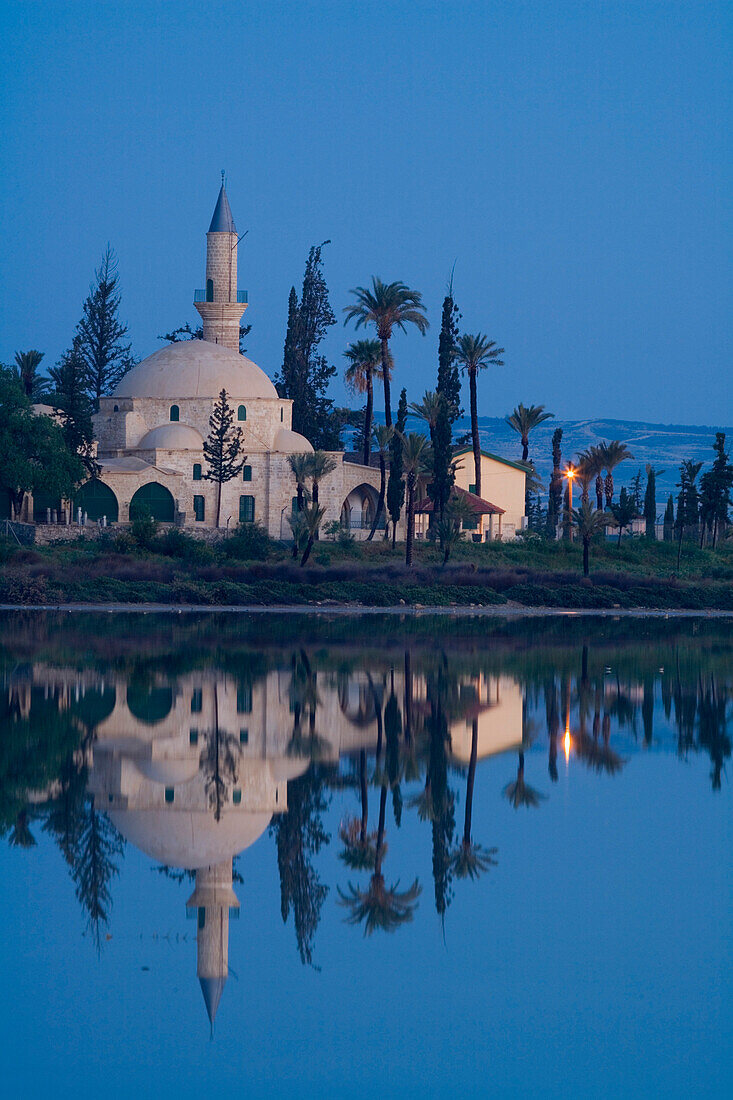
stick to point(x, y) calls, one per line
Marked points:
point(196, 368)
point(171, 437)
point(189, 838)
point(290, 443)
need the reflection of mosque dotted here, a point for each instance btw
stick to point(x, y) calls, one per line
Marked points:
point(191, 770)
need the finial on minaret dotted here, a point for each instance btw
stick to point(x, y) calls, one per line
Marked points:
point(223, 177)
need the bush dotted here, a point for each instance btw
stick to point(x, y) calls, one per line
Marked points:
point(144, 527)
point(175, 543)
point(250, 542)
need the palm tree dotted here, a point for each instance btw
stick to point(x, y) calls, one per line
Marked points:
point(428, 409)
point(377, 906)
point(474, 353)
point(415, 453)
point(387, 306)
point(592, 462)
point(520, 793)
point(310, 520)
point(524, 419)
point(382, 435)
point(471, 859)
point(613, 454)
point(300, 466)
point(365, 358)
point(319, 465)
point(590, 522)
point(26, 365)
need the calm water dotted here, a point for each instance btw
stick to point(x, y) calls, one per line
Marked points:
point(385, 857)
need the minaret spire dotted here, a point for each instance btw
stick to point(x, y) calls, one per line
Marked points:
point(220, 304)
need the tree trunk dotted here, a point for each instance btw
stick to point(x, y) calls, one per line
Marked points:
point(525, 449)
point(307, 551)
point(679, 546)
point(620, 533)
point(599, 493)
point(586, 555)
point(218, 504)
point(315, 501)
point(474, 431)
point(380, 833)
point(387, 391)
point(380, 502)
point(368, 417)
point(408, 697)
point(364, 796)
point(410, 519)
point(469, 784)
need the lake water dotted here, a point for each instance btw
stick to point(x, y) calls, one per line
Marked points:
point(384, 856)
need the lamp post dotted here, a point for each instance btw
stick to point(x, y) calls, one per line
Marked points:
point(570, 472)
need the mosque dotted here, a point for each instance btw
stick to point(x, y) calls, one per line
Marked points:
point(150, 430)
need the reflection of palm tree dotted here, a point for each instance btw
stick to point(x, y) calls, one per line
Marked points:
point(378, 907)
point(21, 835)
point(520, 793)
point(359, 846)
point(471, 860)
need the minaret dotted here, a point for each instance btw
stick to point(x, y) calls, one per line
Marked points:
point(219, 304)
point(213, 897)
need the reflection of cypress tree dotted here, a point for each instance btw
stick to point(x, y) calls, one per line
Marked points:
point(299, 835)
point(95, 866)
point(647, 710)
point(712, 726)
point(392, 731)
point(220, 762)
point(552, 716)
point(443, 807)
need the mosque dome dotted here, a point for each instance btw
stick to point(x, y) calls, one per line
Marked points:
point(190, 838)
point(196, 368)
point(290, 443)
point(172, 437)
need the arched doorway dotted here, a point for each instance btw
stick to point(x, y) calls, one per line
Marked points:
point(360, 507)
point(97, 500)
point(156, 499)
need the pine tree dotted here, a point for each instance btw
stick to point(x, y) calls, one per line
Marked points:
point(715, 491)
point(70, 397)
point(100, 334)
point(396, 483)
point(223, 448)
point(305, 375)
point(185, 332)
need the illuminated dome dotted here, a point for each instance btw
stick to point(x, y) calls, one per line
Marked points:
point(196, 368)
point(290, 443)
point(172, 437)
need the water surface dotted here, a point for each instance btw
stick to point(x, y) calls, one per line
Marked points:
point(365, 855)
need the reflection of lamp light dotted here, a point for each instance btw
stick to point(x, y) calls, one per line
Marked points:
point(566, 741)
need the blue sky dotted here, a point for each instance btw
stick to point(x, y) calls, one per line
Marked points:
point(573, 159)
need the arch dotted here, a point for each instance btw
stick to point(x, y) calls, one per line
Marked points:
point(242, 412)
point(360, 507)
point(157, 499)
point(175, 413)
point(97, 500)
point(94, 706)
point(209, 290)
point(43, 501)
point(147, 703)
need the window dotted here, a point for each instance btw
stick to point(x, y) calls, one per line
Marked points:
point(169, 795)
point(116, 409)
point(202, 917)
point(193, 737)
point(472, 489)
point(244, 700)
point(209, 290)
point(244, 737)
point(246, 473)
point(196, 701)
point(241, 413)
point(197, 471)
point(199, 508)
point(246, 509)
point(282, 415)
point(236, 796)
point(175, 412)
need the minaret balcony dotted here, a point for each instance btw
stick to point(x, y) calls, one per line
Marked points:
point(200, 296)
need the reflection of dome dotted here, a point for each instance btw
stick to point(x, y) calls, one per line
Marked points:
point(290, 443)
point(189, 839)
point(288, 767)
point(169, 771)
point(195, 368)
point(172, 437)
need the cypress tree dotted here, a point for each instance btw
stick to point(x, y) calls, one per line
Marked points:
point(669, 518)
point(650, 501)
point(554, 504)
point(449, 390)
point(223, 448)
point(396, 484)
point(715, 491)
point(100, 335)
point(305, 375)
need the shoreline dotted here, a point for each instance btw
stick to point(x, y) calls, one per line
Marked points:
point(493, 611)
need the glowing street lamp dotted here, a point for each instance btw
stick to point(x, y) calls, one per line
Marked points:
point(570, 472)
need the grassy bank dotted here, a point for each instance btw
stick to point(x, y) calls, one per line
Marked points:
point(250, 569)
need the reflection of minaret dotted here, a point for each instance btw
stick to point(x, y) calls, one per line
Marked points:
point(212, 899)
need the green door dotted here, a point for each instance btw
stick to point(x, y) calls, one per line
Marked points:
point(97, 500)
point(156, 499)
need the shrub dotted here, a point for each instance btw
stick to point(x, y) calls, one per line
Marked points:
point(143, 528)
point(175, 543)
point(250, 541)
